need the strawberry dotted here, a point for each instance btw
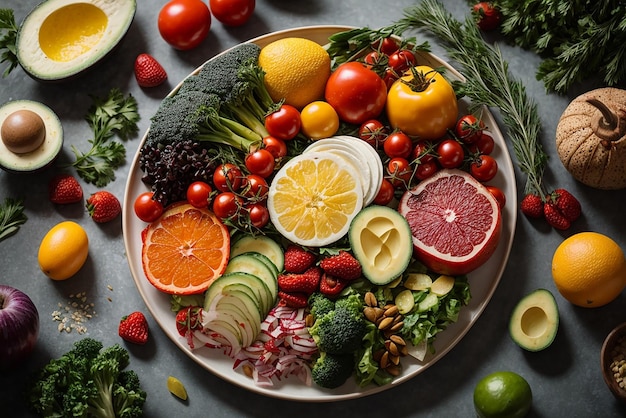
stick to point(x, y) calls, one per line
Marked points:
point(148, 71)
point(554, 216)
point(532, 206)
point(567, 204)
point(189, 319)
point(134, 328)
point(331, 286)
point(297, 259)
point(64, 189)
point(343, 266)
point(487, 16)
point(103, 206)
point(306, 282)
point(292, 299)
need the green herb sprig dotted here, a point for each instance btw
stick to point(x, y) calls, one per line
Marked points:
point(113, 115)
point(8, 40)
point(11, 217)
point(488, 82)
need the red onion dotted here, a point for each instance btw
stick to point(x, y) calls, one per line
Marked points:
point(19, 326)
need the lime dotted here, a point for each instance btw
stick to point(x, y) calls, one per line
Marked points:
point(502, 394)
point(176, 387)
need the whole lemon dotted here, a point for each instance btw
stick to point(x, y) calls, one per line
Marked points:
point(296, 70)
point(502, 394)
point(589, 269)
point(63, 250)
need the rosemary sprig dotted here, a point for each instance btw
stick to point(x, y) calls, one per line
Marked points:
point(489, 82)
point(8, 29)
point(11, 217)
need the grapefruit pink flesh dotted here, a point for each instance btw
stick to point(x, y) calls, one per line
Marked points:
point(454, 220)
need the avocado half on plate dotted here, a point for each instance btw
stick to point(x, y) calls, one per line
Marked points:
point(60, 39)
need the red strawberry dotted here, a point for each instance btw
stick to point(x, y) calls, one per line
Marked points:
point(103, 206)
point(306, 282)
point(554, 216)
point(148, 71)
point(532, 206)
point(488, 17)
point(134, 328)
point(293, 300)
point(297, 259)
point(189, 319)
point(343, 266)
point(567, 204)
point(332, 286)
point(64, 189)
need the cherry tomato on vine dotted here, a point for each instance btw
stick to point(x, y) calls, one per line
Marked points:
point(387, 46)
point(227, 177)
point(184, 24)
point(426, 169)
point(385, 193)
point(259, 215)
point(284, 123)
point(400, 172)
point(226, 204)
point(469, 128)
point(484, 168)
point(256, 187)
point(373, 132)
point(276, 146)
point(484, 145)
point(398, 144)
point(402, 60)
point(422, 152)
point(198, 194)
point(260, 162)
point(450, 154)
point(498, 194)
point(232, 12)
point(146, 208)
point(319, 120)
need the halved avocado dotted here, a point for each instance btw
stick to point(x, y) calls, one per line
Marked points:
point(60, 39)
point(535, 321)
point(31, 136)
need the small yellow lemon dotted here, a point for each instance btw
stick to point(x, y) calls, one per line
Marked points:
point(296, 70)
point(176, 388)
point(589, 269)
point(63, 250)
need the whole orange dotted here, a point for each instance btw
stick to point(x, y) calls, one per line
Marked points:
point(589, 269)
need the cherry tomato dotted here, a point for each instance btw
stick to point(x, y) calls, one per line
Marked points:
point(284, 123)
point(260, 162)
point(226, 204)
point(385, 193)
point(356, 92)
point(402, 60)
point(422, 152)
point(398, 144)
point(146, 208)
point(232, 12)
point(256, 187)
point(276, 146)
point(487, 16)
point(376, 60)
point(319, 120)
point(227, 177)
point(373, 132)
point(484, 145)
point(198, 194)
point(184, 24)
point(387, 46)
point(259, 215)
point(498, 194)
point(400, 172)
point(469, 128)
point(484, 168)
point(450, 153)
point(425, 169)
point(390, 77)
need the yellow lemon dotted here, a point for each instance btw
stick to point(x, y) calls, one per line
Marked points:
point(176, 388)
point(314, 197)
point(296, 70)
point(589, 269)
point(63, 250)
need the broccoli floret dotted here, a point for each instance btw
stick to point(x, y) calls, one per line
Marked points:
point(87, 381)
point(340, 331)
point(332, 370)
point(320, 305)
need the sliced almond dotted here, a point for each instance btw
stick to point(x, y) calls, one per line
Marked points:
point(442, 285)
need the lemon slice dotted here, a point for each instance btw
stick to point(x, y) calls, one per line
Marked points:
point(176, 387)
point(314, 197)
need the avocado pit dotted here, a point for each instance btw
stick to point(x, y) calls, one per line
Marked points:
point(23, 131)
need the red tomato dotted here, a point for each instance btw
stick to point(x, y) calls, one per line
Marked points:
point(469, 128)
point(284, 123)
point(400, 172)
point(387, 46)
point(227, 177)
point(256, 187)
point(260, 162)
point(226, 204)
point(422, 152)
point(356, 92)
point(198, 194)
point(484, 168)
point(385, 194)
point(487, 16)
point(276, 146)
point(398, 144)
point(402, 60)
point(232, 12)
point(484, 145)
point(375, 59)
point(498, 194)
point(426, 169)
point(184, 24)
point(259, 215)
point(450, 153)
point(373, 132)
point(146, 208)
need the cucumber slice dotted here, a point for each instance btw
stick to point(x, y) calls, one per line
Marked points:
point(260, 244)
point(260, 266)
point(245, 283)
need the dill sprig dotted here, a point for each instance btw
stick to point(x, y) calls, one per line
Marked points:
point(489, 82)
point(113, 115)
point(11, 217)
point(8, 30)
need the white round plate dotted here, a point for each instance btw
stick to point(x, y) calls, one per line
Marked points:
point(483, 281)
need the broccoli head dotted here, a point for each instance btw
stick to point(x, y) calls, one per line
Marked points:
point(332, 370)
point(319, 304)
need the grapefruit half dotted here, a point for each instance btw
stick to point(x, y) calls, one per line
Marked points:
point(455, 222)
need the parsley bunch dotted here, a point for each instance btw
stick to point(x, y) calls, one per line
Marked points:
point(8, 30)
point(113, 115)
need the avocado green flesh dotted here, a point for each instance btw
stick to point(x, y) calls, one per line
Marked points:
point(535, 321)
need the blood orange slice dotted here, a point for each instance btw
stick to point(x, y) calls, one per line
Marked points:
point(455, 222)
point(185, 250)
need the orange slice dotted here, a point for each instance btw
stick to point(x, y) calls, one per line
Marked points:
point(185, 250)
